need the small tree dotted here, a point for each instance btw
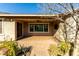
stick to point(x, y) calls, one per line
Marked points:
point(66, 10)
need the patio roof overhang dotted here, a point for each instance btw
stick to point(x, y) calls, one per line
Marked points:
point(32, 17)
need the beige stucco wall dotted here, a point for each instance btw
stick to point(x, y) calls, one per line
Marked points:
point(70, 28)
point(59, 33)
point(9, 29)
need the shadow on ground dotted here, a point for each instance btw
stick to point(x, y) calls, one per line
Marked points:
point(24, 51)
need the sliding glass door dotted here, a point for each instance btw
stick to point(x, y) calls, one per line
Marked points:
point(19, 29)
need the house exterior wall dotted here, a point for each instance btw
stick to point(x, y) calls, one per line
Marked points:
point(70, 29)
point(9, 29)
point(59, 33)
point(50, 33)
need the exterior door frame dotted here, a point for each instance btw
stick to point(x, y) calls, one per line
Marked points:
point(17, 30)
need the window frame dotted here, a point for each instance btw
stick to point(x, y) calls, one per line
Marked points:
point(37, 31)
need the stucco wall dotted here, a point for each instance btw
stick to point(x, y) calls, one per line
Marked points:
point(59, 33)
point(70, 29)
point(9, 30)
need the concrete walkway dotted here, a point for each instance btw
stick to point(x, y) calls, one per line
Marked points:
point(40, 44)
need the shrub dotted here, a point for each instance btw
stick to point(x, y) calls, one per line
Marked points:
point(55, 51)
point(12, 46)
point(59, 50)
point(64, 46)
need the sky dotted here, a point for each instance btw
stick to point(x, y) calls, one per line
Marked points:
point(23, 8)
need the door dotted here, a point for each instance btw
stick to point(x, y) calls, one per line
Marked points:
point(19, 30)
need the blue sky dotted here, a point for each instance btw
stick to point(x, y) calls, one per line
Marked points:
point(23, 8)
point(19, 8)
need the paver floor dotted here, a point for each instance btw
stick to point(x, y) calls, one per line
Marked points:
point(40, 44)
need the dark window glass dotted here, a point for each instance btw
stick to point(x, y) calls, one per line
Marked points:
point(38, 27)
point(31, 27)
point(45, 27)
point(19, 29)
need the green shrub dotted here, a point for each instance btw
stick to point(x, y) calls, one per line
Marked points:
point(64, 46)
point(59, 50)
point(55, 51)
point(12, 46)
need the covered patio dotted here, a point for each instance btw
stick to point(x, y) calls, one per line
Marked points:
point(36, 25)
point(35, 36)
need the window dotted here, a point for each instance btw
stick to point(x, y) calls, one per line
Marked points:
point(46, 27)
point(31, 28)
point(0, 26)
point(38, 27)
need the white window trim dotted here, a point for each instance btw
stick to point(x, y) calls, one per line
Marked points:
point(35, 31)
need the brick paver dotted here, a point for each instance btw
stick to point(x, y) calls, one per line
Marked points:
point(40, 44)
